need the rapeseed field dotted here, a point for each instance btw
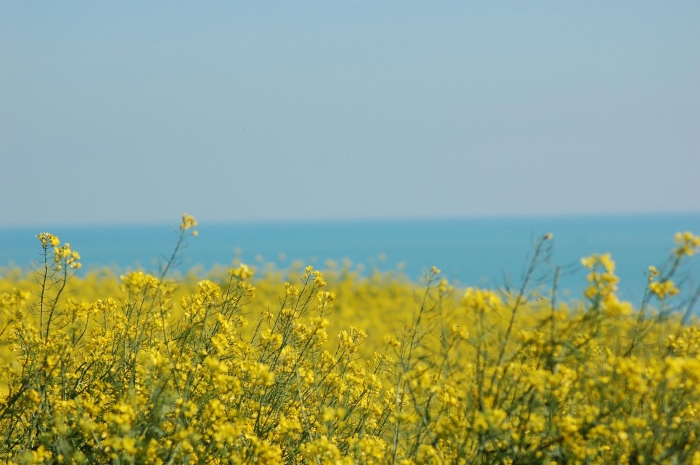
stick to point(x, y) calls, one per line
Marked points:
point(338, 368)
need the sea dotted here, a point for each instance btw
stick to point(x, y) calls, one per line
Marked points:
point(483, 252)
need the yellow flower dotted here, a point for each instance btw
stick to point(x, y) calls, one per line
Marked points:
point(188, 222)
point(209, 291)
point(687, 242)
point(605, 260)
point(242, 272)
point(481, 299)
point(48, 240)
point(653, 272)
point(663, 289)
point(291, 290)
point(319, 281)
point(65, 256)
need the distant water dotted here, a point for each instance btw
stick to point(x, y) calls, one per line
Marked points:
point(483, 252)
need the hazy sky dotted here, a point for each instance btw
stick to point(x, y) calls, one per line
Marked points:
point(131, 112)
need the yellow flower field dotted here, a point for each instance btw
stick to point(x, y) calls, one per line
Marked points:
point(333, 367)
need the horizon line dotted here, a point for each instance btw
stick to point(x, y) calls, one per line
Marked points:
point(358, 220)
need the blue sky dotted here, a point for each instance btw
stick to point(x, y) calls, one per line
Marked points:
point(134, 112)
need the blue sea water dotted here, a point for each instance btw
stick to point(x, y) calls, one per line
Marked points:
point(470, 252)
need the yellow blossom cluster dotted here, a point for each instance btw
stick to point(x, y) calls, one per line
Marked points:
point(188, 222)
point(63, 256)
point(280, 369)
point(688, 243)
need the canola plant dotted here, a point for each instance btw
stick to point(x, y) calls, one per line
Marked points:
point(340, 368)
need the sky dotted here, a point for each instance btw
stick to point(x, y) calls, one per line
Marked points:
point(135, 112)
